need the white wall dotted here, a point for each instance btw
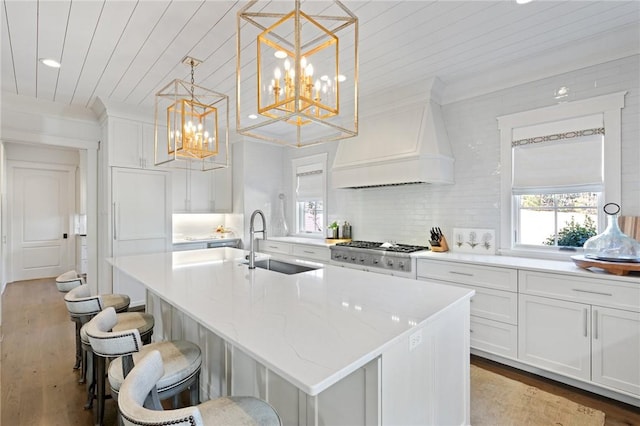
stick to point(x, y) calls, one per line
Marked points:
point(406, 213)
point(35, 124)
point(257, 181)
point(42, 154)
point(196, 224)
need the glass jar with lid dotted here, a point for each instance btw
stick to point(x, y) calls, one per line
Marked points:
point(612, 245)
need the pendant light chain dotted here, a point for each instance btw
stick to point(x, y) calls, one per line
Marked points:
point(192, 80)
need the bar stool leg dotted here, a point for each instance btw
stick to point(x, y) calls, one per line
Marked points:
point(91, 367)
point(78, 363)
point(100, 375)
point(194, 392)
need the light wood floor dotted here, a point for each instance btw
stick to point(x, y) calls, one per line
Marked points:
point(39, 386)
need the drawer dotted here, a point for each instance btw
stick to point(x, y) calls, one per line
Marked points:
point(311, 252)
point(495, 337)
point(463, 273)
point(595, 291)
point(497, 305)
point(269, 246)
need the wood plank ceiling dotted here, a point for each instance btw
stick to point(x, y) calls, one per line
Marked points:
point(125, 51)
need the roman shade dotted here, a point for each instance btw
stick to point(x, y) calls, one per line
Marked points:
point(309, 183)
point(564, 156)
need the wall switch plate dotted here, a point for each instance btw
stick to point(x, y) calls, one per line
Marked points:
point(415, 339)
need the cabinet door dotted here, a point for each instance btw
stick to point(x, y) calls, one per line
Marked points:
point(125, 141)
point(270, 246)
point(179, 190)
point(321, 254)
point(148, 145)
point(141, 221)
point(555, 335)
point(494, 336)
point(222, 200)
point(200, 189)
point(616, 348)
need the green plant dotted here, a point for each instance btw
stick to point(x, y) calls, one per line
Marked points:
point(573, 234)
point(333, 225)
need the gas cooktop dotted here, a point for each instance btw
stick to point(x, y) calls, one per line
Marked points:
point(371, 245)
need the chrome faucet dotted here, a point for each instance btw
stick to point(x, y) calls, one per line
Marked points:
point(252, 233)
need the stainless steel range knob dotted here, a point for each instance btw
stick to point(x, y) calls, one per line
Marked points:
point(401, 264)
point(390, 263)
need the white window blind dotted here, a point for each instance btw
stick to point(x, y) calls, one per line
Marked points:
point(565, 156)
point(309, 185)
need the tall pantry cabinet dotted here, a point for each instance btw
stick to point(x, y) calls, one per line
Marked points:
point(134, 197)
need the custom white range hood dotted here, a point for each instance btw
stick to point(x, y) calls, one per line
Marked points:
point(400, 146)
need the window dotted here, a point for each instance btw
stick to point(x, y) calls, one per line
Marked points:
point(562, 164)
point(557, 181)
point(309, 189)
point(559, 220)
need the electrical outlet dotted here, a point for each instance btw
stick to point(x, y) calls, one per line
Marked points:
point(415, 339)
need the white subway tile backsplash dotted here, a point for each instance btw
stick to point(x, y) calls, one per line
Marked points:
point(406, 213)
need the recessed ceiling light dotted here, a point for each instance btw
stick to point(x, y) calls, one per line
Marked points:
point(280, 54)
point(561, 92)
point(523, 1)
point(253, 116)
point(50, 62)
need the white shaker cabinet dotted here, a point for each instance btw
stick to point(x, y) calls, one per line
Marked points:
point(274, 247)
point(132, 143)
point(616, 348)
point(313, 252)
point(196, 191)
point(141, 221)
point(494, 307)
point(587, 328)
point(556, 335)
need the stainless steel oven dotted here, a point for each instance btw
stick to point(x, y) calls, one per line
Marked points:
point(384, 258)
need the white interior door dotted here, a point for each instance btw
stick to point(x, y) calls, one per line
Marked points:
point(41, 204)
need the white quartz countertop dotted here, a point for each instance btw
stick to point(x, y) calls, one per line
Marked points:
point(533, 264)
point(203, 238)
point(313, 328)
point(301, 240)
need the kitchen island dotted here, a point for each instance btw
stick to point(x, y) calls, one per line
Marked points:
point(327, 346)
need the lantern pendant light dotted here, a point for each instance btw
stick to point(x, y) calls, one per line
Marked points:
point(195, 133)
point(297, 72)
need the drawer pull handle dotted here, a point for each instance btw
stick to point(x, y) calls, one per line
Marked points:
point(273, 247)
point(591, 292)
point(308, 251)
point(466, 274)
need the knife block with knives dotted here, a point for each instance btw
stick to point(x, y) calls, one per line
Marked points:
point(438, 241)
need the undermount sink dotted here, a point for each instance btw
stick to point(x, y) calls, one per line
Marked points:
point(283, 267)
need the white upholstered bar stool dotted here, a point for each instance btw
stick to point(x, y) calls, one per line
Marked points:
point(139, 404)
point(82, 304)
point(68, 281)
point(82, 307)
point(182, 359)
